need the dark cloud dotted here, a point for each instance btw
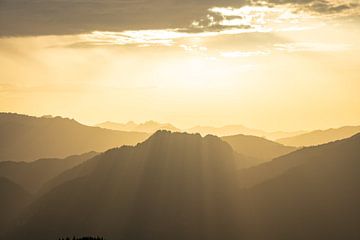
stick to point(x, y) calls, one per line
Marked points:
point(328, 7)
point(44, 17)
point(58, 17)
point(319, 6)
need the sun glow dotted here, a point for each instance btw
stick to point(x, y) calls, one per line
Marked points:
point(245, 63)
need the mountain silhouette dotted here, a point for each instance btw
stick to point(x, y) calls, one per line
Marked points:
point(32, 175)
point(148, 127)
point(172, 186)
point(26, 138)
point(258, 148)
point(320, 136)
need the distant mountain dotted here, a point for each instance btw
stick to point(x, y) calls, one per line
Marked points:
point(256, 147)
point(12, 199)
point(239, 129)
point(148, 127)
point(320, 136)
point(151, 127)
point(313, 193)
point(32, 175)
point(25, 138)
point(172, 186)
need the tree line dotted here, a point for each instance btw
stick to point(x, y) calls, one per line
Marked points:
point(83, 238)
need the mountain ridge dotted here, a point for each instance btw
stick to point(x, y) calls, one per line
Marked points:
point(55, 137)
point(259, 148)
point(32, 175)
point(318, 137)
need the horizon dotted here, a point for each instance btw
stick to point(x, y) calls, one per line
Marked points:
point(95, 124)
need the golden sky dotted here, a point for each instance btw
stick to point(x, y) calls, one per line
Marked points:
point(273, 65)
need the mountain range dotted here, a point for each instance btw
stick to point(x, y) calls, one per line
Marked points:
point(152, 127)
point(148, 127)
point(184, 186)
point(172, 186)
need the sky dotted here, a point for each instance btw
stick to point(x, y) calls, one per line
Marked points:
point(271, 65)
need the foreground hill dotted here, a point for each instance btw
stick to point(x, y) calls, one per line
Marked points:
point(13, 199)
point(172, 186)
point(259, 148)
point(32, 175)
point(320, 136)
point(25, 138)
point(148, 127)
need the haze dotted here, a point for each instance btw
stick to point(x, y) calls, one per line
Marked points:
point(271, 66)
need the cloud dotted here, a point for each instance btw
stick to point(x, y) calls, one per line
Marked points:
point(318, 6)
point(242, 54)
point(219, 21)
point(44, 17)
point(312, 47)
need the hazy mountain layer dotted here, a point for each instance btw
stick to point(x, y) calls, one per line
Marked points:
point(32, 175)
point(25, 138)
point(151, 127)
point(258, 148)
point(148, 127)
point(320, 136)
point(239, 129)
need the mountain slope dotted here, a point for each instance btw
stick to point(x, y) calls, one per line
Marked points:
point(32, 175)
point(26, 138)
point(316, 199)
point(172, 186)
point(342, 149)
point(257, 147)
point(13, 199)
point(320, 136)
